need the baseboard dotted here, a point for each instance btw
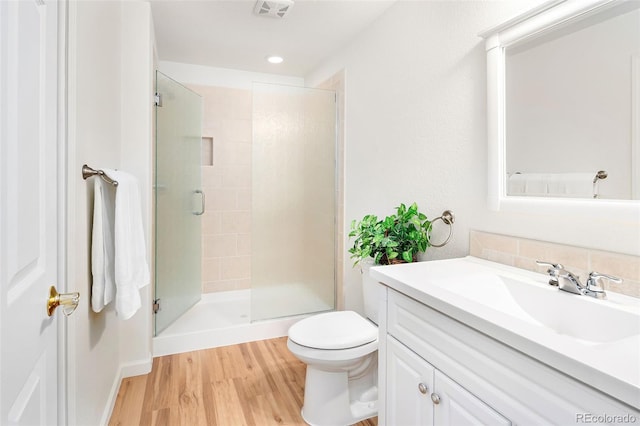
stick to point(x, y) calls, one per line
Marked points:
point(137, 368)
point(129, 369)
point(213, 338)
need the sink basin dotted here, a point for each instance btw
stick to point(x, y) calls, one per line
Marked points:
point(580, 317)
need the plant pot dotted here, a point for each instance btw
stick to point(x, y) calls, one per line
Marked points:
point(385, 261)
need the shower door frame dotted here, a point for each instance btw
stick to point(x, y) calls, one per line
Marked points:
point(165, 296)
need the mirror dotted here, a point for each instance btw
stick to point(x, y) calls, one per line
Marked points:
point(564, 103)
point(568, 108)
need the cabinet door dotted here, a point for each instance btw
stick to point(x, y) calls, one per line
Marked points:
point(459, 407)
point(409, 386)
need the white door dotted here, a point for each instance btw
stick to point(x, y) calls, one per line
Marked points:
point(28, 211)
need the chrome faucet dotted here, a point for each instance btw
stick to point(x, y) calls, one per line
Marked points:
point(569, 282)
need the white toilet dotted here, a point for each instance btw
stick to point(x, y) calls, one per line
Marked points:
point(341, 352)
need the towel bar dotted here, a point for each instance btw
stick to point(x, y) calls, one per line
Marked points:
point(600, 175)
point(87, 172)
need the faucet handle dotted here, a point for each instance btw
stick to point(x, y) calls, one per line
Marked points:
point(593, 287)
point(553, 265)
point(595, 277)
point(554, 270)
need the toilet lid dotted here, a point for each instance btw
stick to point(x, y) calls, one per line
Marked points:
point(333, 330)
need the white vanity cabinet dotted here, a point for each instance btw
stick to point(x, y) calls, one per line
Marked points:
point(409, 388)
point(418, 394)
point(475, 378)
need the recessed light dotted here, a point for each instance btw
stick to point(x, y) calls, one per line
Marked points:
point(275, 59)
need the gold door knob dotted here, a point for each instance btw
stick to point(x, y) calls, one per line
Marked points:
point(69, 301)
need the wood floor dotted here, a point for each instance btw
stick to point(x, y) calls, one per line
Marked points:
point(257, 383)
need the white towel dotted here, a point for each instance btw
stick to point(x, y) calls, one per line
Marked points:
point(571, 185)
point(532, 184)
point(131, 269)
point(102, 249)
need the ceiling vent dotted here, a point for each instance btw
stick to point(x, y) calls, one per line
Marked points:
point(273, 8)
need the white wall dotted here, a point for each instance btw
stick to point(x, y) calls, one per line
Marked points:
point(416, 129)
point(136, 157)
point(109, 107)
point(221, 77)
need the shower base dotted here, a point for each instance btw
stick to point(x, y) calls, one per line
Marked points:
point(221, 319)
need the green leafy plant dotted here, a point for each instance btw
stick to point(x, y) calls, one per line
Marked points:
point(398, 238)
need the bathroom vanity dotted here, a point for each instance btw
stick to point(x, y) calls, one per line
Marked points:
point(468, 341)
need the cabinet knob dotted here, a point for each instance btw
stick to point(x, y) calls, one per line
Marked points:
point(435, 398)
point(423, 388)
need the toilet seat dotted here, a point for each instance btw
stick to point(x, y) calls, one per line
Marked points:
point(330, 358)
point(333, 330)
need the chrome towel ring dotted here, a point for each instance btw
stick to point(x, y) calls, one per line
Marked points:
point(448, 218)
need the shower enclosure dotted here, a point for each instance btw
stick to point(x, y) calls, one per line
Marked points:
point(292, 187)
point(179, 200)
point(294, 196)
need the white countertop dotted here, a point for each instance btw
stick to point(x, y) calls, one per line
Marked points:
point(594, 341)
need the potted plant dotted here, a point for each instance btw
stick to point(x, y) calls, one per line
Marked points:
point(396, 239)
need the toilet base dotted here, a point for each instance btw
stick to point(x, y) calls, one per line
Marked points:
point(332, 398)
point(361, 411)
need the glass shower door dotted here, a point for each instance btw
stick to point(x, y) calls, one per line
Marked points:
point(293, 201)
point(179, 200)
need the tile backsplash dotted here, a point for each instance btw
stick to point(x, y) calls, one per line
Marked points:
point(523, 253)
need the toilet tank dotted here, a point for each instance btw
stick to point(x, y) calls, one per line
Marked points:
point(372, 291)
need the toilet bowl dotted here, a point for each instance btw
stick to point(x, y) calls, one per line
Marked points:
point(341, 352)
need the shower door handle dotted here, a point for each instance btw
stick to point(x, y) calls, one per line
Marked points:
point(201, 212)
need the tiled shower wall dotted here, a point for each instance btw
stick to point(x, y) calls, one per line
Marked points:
point(226, 224)
point(523, 253)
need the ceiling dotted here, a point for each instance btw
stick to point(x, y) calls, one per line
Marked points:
point(227, 34)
